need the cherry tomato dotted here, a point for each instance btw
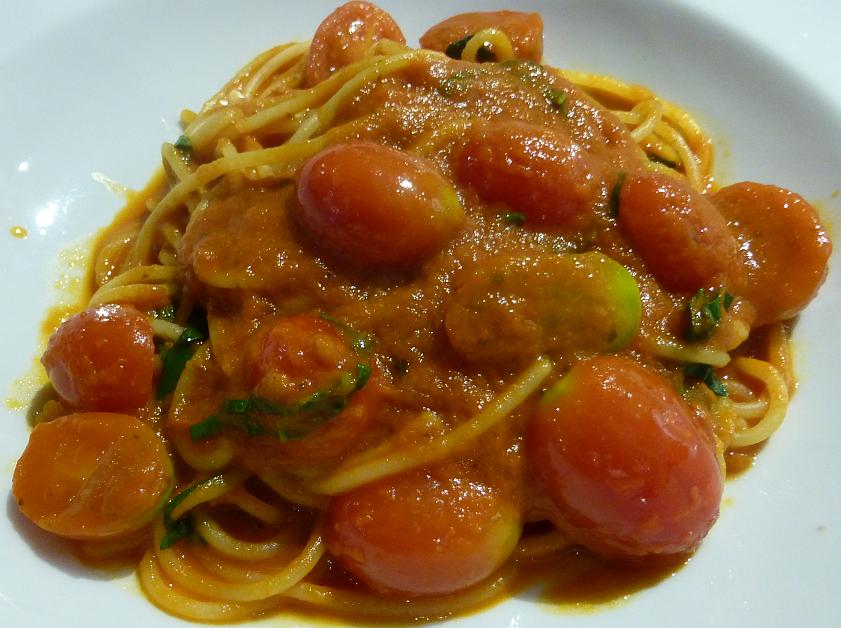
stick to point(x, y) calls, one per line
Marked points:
point(679, 234)
point(784, 249)
point(624, 462)
point(103, 359)
point(425, 532)
point(533, 170)
point(373, 204)
point(345, 36)
point(524, 30)
point(300, 356)
point(92, 475)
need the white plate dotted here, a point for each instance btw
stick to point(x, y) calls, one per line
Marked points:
point(96, 86)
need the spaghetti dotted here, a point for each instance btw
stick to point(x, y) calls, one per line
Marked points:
point(315, 362)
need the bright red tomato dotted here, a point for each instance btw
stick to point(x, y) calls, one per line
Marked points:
point(624, 461)
point(425, 532)
point(298, 357)
point(535, 171)
point(524, 30)
point(345, 36)
point(784, 248)
point(678, 233)
point(373, 204)
point(103, 359)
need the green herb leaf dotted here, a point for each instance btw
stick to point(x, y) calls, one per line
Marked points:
point(514, 218)
point(557, 98)
point(706, 374)
point(253, 415)
point(180, 528)
point(705, 313)
point(613, 203)
point(361, 342)
point(184, 144)
point(207, 428)
point(175, 358)
point(454, 49)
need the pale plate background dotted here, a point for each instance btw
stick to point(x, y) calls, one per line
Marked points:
point(97, 86)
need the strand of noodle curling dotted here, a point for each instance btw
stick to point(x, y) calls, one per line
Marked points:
point(444, 446)
point(777, 392)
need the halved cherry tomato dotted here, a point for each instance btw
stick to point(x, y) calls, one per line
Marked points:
point(299, 357)
point(536, 171)
point(345, 36)
point(524, 30)
point(425, 532)
point(103, 359)
point(679, 234)
point(783, 248)
point(92, 475)
point(624, 462)
point(373, 204)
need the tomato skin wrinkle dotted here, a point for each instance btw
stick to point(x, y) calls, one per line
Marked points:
point(620, 455)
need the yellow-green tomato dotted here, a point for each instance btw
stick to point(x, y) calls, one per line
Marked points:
point(509, 310)
point(425, 532)
point(375, 205)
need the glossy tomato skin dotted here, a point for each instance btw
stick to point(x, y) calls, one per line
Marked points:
point(783, 247)
point(524, 30)
point(535, 171)
point(624, 462)
point(424, 532)
point(345, 35)
point(375, 205)
point(298, 356)
point(93, 475)
point(679, 234)
point(103, 359)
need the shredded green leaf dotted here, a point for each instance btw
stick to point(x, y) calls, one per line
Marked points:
point(175, 358)
point(705, 313)
point(514, 218)
point(253, 415)
point(557, 98)
point(180, 528)
point(183, 144)
point(361, 342)
point(614, 194)
point(706, 374)
point(454, 49)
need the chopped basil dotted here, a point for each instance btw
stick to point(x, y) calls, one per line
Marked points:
point(361, 342)
point(253, 415)
point(454, 49)
point(557, 98)
point(706, 374)
point(613, 204)
point(175, 358)
point(184, 144)
point(514, 218)
point(181, 528)
point(662, 160)
point(705, 313)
